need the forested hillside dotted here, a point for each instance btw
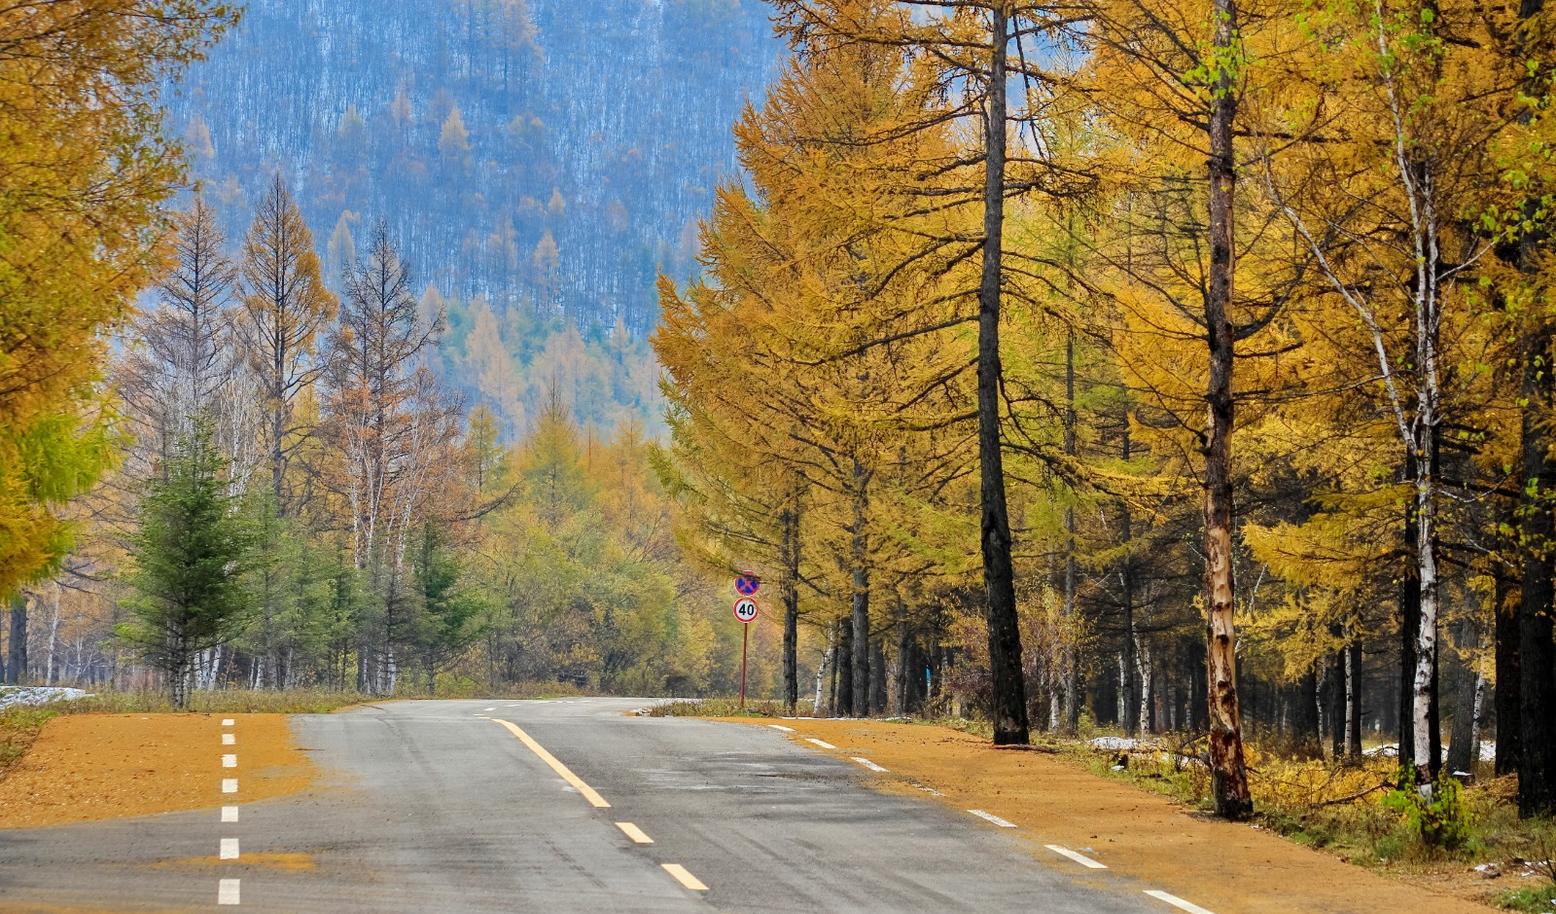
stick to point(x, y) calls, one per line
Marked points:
point(545, 157)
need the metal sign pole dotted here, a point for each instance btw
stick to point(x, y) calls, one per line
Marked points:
point(745, 636)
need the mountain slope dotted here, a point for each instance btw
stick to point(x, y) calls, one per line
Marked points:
point(547, 156)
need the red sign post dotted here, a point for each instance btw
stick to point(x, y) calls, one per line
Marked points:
point(746, 611)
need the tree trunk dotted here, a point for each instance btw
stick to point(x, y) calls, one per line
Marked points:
point(859, 557)
point(1009, 699)
point(1462, 746)
point(1353, 698)
point(16, 662)
point(1409, 620)
point(1337, 683)
point(1427, 732)
point(1536, 649)
point(1508, 677)
point(877, 676)
point(1128, 688)
point(824, 670)
point(1071, 667)
point(51, 668)
point(1142, 710)
point(843, 682)
point(1229, 778)
point(790, 594)
point(901, 683)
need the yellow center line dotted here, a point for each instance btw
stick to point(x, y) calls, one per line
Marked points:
point(637, 835)
point(683, 877)
point(589, 793)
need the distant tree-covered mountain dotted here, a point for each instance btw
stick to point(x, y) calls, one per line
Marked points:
point(544, 156)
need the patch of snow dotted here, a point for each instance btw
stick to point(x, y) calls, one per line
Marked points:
point(1114, 743)
point(19, 696)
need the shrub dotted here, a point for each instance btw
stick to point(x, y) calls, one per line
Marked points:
point(1441, 821)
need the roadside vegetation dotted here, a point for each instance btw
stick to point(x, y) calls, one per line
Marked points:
point(1468, 839)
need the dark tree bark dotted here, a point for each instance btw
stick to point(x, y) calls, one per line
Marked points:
point(1353, 698)
point(16, 661)
point(789, 593)
point(1409, 620)
point(1464, 746)
point(1072, 670)
point(1536, 650)
point(1509, 678)
point(1129, 689)
point(1229, 776)
point(877, 676)
point(902, 683)
point(860, 611)
point(1306, 726)
point(1336, 688)
point(1009, 700)
point(843, 681)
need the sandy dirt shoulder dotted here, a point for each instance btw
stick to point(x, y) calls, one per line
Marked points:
point(91, 767)
point(1227, 868)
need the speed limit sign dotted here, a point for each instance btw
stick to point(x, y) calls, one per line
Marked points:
point(745, 609)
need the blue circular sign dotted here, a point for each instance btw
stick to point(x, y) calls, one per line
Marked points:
point(747, 584)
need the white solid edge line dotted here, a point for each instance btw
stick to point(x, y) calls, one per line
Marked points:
point(820, 742)
point(229, 739)
point(229, 849)
point(1082, 859)
point(683, 877)
point(1176, 902)
point(229, 761)
point(991, 817)
point(227, 722)
point(227, 891)
point(229, 813)
point(637, 835)
point(782, 727)
point(868, 764)
point(229, 785)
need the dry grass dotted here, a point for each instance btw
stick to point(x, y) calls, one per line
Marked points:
point(87, 767)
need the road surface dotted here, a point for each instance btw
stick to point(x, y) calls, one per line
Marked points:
point(442, 807)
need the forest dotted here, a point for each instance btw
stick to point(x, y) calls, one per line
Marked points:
point(1158, 365)
point(1149, 365)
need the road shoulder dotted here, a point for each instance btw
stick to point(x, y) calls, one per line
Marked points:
point(97, 767)
point(1224, 867)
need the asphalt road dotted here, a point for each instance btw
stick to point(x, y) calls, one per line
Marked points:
point(435, 806)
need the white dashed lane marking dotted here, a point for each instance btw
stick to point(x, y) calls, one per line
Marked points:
point(229, 785)
point(782, 728)
point(868, 764)
point(229, 761)
point(227, 722)
point(1082, 859)
point(229, 813)
point(229, 849)
point(991, 817)
point(227, 891)
point(819, 742)
point(229, 739)
point(1176, 902)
